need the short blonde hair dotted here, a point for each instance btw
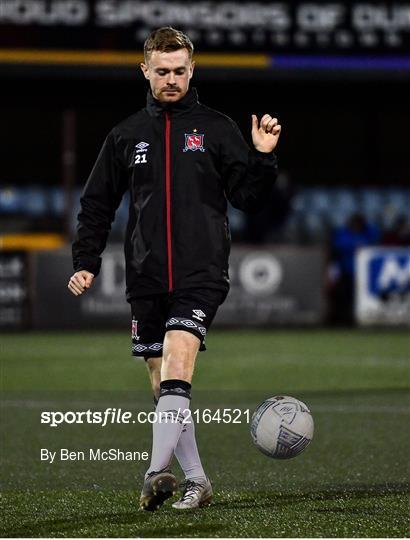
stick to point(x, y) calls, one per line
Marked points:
point(167, 39)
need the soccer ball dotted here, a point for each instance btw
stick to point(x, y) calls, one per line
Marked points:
point(282, 427)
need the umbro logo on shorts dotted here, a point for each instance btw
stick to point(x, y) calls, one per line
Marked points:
point(198, 314)
point(188, 323)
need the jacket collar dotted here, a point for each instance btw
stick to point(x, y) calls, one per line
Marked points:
point(156, 108)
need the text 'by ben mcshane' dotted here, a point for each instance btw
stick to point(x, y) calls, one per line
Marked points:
point(92, 454)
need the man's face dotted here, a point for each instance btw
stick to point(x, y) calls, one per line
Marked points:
point(169, 74)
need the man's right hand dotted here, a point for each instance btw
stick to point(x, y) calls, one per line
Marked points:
point(80, 282)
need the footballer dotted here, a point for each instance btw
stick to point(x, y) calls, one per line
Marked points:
point(181, 163)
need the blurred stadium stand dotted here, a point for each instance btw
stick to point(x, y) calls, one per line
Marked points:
point(335, 74)
point(314, 211)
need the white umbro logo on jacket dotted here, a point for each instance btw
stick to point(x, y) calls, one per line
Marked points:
point(142, 146)
point(141, 152)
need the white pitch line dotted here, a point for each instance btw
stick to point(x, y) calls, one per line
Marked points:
point(31, 404)
point(358, 361)
point(362, 409)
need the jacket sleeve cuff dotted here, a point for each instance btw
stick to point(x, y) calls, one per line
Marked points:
point(266, 158)
point(89, 264)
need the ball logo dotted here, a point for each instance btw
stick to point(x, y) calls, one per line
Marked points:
point(286, 410)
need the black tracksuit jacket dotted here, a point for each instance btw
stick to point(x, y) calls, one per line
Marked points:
point(181, 162)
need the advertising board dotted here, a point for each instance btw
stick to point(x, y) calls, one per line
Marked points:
point(383, 286)
point(270, 286)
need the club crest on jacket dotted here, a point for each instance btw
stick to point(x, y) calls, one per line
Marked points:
point(194, 142)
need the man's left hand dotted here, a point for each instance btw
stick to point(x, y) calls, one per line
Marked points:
point(266, 135)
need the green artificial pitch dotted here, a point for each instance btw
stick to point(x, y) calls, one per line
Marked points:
point(352, 481)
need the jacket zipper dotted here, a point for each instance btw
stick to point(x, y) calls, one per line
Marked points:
point(168, 197)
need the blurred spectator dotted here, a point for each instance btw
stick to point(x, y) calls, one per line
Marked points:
point(345, 241)
point(399, 234)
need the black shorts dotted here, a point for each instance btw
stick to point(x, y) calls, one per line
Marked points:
point(192, 310)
